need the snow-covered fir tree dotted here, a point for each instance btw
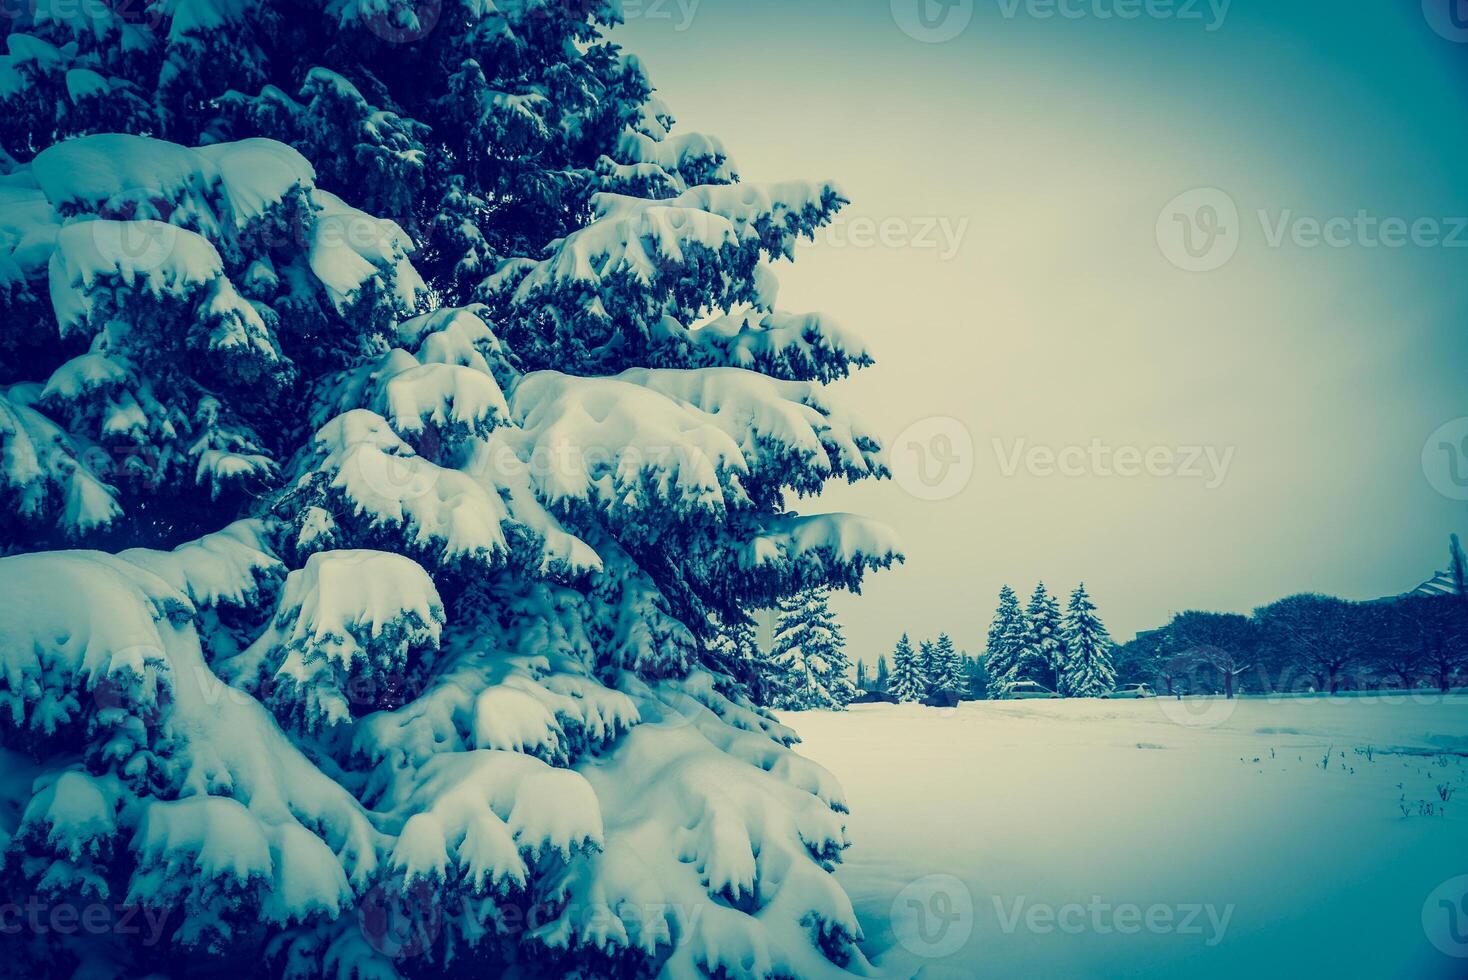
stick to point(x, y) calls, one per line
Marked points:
point(810, 654)
point(1043, 656)
point(1008, 633)
point(736, 651)
point(433, 389)
point(927, 659)
point(946, 677)
point(908, 681)
point(1088, 670)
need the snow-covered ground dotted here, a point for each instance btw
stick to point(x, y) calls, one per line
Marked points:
point(1157, 838)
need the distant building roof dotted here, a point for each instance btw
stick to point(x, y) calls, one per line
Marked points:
point(1439, 584)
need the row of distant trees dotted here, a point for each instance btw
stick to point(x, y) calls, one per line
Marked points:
point(933, 672)
point(1304, 642)
point(1066, 652)
point(1308, 642)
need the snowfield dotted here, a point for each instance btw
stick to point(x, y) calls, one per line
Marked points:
point(1200, 838)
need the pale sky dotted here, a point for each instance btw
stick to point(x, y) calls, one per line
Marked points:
point(1012, 258)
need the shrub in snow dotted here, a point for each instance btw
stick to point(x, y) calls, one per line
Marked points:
point(443, 386)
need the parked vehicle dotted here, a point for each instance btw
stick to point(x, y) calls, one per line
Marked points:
point(1133, 691)
point(1029, 691)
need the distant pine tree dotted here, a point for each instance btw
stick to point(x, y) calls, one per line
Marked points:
point(908, 682)
point(1088, 671)
point(1457, 567)
point(863, 683)
point(884, 675)
point(811, 653)
point(770, 679)
point(1008, 633)
point(946, 673)
point(735, 650)
point(928, 662)
point(977, 676)
point(1044, 655)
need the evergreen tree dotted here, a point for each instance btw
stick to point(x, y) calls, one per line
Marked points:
point(863, 683)
point(299, 299)
point(1457, 567)
point(736, 651)
point(1088, 672)
point(927, 660)
point(772, 679)
point(908, 682)
point(1008, 634)
point(884, 675)
point(1043, 657)
point(946, 680)
point(978, 678)
point(811, 654)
